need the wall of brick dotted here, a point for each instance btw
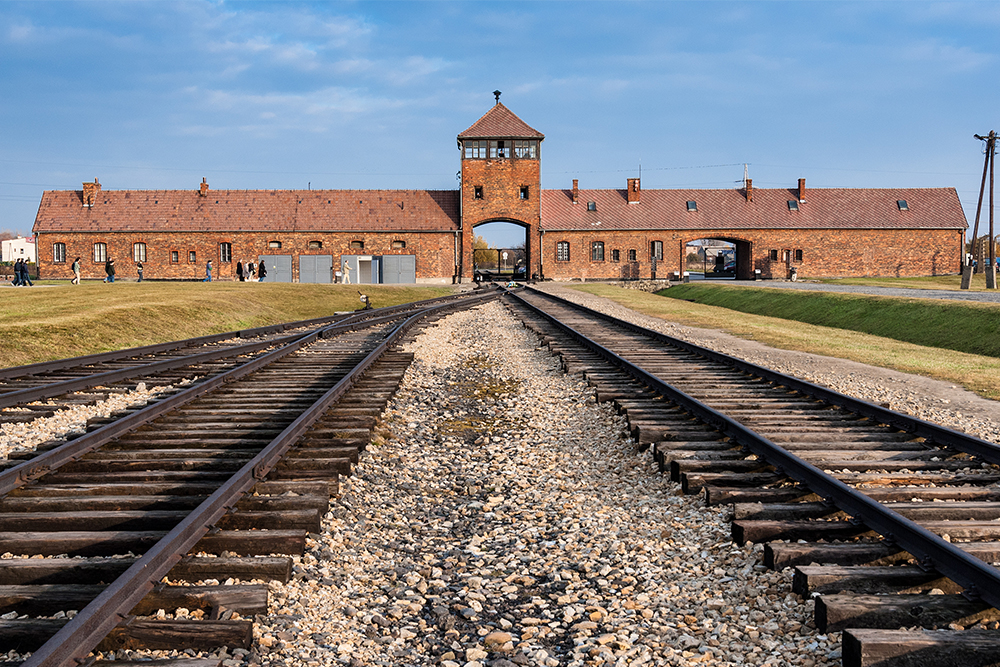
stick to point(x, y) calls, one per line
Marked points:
point(825, 253)
point(435, 252)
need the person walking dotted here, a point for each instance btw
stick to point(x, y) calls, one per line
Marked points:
point(239, 270)
point(25, 277)
point(138, 269)
point(76, 271)
point(261, 272)
point(251, 271)
point(109, 269)
point(17, 274)
point(208, 272)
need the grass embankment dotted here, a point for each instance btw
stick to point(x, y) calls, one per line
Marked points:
point(42, 323)
point(978, 372)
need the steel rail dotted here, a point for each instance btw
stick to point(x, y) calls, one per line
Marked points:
point(937, 433)
point(22, 473)
point(22, 396)
point(75, 640)
point(101, 357)
point(979, 579)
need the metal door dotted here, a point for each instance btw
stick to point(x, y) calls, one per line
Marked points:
point(399, 268)
point(279, 268)
point(315, 268)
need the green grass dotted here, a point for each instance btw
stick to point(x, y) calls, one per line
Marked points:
point(977, 372)
point(62, 320)
point(925, 282)
point(961, 326)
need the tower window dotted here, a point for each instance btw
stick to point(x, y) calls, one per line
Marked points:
point(526, 148)
point(475, 149)
point(479, 192)
point(524, 192)
point(500, 149)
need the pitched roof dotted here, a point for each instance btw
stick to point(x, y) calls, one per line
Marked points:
point(824, 208)
point(249, 210)
point(500, 122)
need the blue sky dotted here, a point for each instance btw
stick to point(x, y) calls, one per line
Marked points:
point(371, 95)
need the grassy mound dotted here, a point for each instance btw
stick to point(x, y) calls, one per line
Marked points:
point(962, 326)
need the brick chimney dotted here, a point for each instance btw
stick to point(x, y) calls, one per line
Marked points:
point(576, 191)
point(204, 188)
point(802, 190)
point(633, 191)
point(90, 191)
point(749, 189)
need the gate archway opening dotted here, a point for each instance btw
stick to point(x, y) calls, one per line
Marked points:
point(500, 251)
point(718, 259)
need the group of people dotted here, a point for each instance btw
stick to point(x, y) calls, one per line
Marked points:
point(248, 272)
point(21, 277)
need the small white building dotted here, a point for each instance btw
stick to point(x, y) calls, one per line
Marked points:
point(12, 250)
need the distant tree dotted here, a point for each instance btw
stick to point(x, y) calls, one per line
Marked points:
point(479, 243)
point(7, 235)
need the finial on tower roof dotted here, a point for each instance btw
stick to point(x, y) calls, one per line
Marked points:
point(496, 94)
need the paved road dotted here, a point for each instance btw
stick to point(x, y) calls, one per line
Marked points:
point(956, 295)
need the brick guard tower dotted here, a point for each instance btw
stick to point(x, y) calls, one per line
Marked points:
point(501, 180)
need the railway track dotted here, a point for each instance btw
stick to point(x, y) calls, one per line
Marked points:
point(891, 523)
point(222, 481)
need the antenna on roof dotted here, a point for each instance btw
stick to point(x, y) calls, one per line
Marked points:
point(496, 94)
point(746, 173)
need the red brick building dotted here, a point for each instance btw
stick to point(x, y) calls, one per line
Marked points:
point(570, 234)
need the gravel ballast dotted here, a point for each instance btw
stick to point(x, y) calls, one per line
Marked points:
point(503, 517)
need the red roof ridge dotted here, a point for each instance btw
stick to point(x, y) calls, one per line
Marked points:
point(500, 121)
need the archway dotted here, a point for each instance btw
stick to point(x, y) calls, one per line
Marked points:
point(500, 250)
point(719, 258)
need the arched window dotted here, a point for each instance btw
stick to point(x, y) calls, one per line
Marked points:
point(315, 245)
point(59, 253)
point(100, 252)
point(139, 252)
point(274, 244)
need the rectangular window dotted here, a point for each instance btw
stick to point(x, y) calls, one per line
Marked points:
point(315, 245)
point(597, 251)
point(225, 252)
point(616, 255)
point(562, 251)
point(692, 206)
point(500, 149)
point(524, 192)
point(479, 192)
point(798, 255)
point(274, 245)
point(191, 257)
point(59, 253)
point(774, 255)
point(357, 245)
point(398, 245)
point(526, 148)
point(631, 255)
point(139, 252)
point(100, 252)
point(656, 250)
point(475, 149)
point(175, 257)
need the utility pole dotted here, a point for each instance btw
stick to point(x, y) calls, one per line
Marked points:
point(990, 140)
